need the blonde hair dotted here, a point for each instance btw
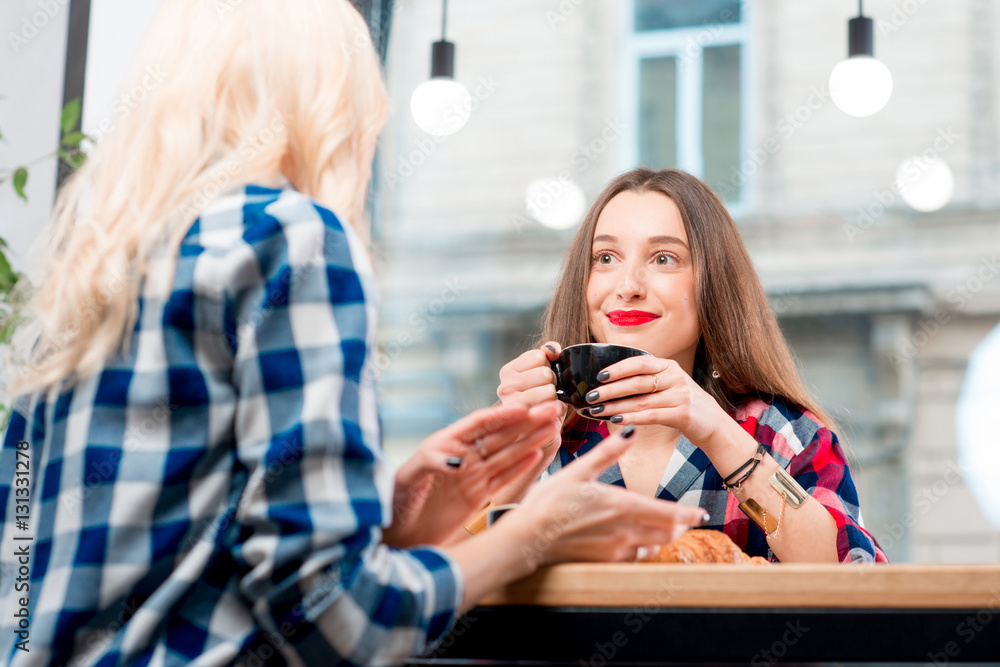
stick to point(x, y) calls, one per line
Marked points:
point(223, 93)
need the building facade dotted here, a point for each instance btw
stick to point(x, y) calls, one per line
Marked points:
point(883, 305)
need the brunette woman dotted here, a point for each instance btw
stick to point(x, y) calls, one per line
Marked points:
point(719, 409)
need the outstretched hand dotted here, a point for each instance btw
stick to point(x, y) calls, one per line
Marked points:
point(578, 518)
point(496, 446)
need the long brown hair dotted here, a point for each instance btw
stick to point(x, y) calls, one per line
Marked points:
point(740, 337)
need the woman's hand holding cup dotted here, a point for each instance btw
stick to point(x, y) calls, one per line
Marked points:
point(649, 390)
point(529, 380)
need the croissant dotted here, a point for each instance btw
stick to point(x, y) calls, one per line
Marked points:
point(704, 546)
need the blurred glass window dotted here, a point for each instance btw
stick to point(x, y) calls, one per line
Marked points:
point(720, 128)
point(666, 14)
point(686, 64)
point(658, 111)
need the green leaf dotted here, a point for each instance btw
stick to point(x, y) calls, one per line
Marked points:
point(6, 332)
point(20, 180)
point(73, 139)
point(70, 115)
point(7, 275)
point(76, 159)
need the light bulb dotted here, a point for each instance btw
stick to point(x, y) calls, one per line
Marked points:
point(556, 203)
point(441, 106)
point(926, 184)
point(978, 455)
point(861, 85)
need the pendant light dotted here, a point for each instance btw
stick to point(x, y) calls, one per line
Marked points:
point(441, 106)
point(861, 85)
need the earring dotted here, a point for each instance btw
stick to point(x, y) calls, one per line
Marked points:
point(715, 374)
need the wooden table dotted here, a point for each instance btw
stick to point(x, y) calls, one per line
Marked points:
point(603, 614)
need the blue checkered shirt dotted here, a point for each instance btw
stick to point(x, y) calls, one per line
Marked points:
point(216, 494)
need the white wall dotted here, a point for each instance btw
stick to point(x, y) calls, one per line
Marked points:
point(116, 31)
point(31, 83)
point(32, 65)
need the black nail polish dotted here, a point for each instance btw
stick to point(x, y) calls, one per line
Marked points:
point(705, 518)
point(551, 348)
point(592, 396)
point(617, 419)
point(596, 410)
point(628, 431)
point(603, 375)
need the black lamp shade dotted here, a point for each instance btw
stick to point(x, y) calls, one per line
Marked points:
point(443, 60)
point(860, 37)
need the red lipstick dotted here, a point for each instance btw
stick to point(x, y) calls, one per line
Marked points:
point(631, 318)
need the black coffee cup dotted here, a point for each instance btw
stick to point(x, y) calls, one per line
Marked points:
point(577, 368)
point(497, 511)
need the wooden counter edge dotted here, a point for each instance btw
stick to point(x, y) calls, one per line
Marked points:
point(748, 586)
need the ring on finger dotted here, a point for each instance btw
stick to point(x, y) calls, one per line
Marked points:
point(480, 447)
point(656, 383)
point(647, 553)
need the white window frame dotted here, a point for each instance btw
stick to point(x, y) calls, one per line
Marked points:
point(687, 45)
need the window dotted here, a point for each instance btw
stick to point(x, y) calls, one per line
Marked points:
point(685, 89)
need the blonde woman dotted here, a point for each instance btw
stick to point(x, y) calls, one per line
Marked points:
point(193, 474)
